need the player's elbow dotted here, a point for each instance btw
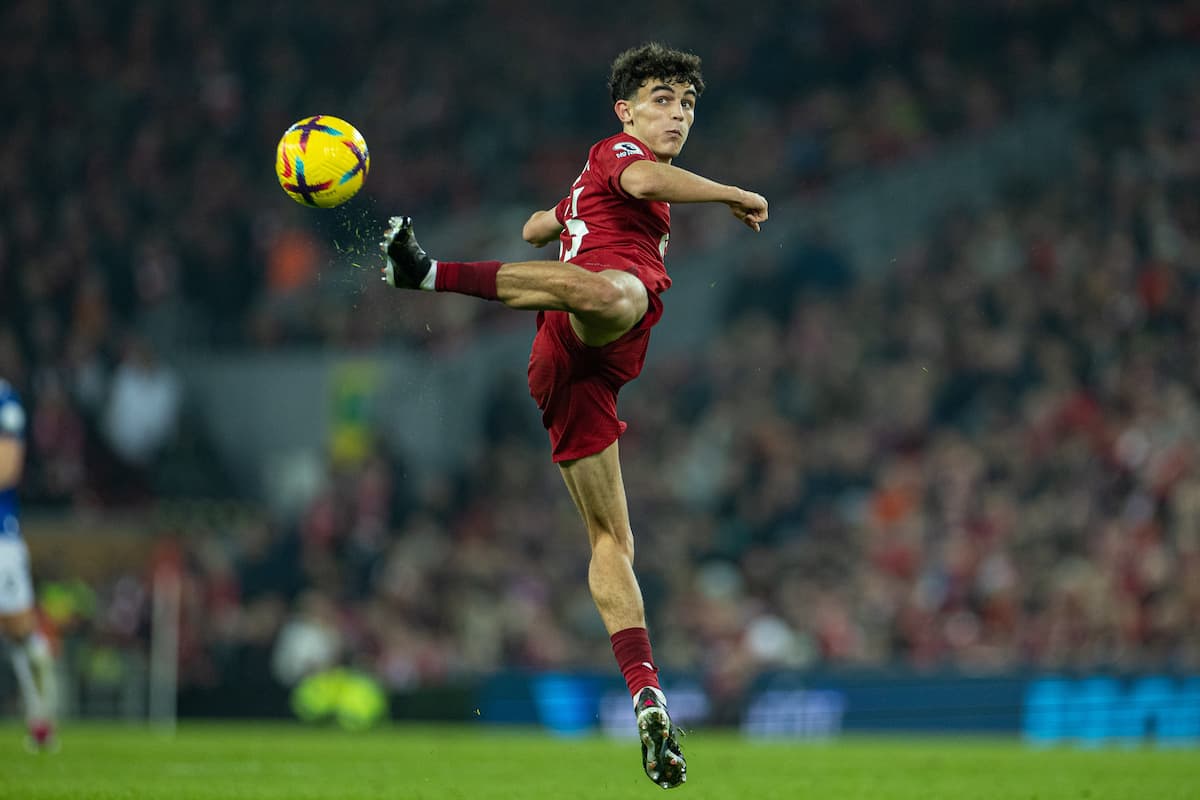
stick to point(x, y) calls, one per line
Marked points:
point(12, 457)
point(10, 474)
point(541, 228)
point(530, 234)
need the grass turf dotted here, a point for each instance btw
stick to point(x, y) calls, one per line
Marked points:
point(250, 761)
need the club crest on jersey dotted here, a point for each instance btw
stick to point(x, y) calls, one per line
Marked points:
point(623, 149)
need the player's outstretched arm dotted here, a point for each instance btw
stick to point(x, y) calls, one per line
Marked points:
point(650, 180)
point(541, 228)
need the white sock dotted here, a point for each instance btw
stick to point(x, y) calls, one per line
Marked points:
point(41, 661)
point(29, 693)
point(429, 282)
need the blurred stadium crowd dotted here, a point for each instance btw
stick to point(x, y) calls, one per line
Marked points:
point(986, 457)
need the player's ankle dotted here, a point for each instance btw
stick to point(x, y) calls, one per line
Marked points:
point(429, 282)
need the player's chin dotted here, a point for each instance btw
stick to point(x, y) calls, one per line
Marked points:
point(672, 147)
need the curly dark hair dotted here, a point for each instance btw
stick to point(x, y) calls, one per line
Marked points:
point(652, 60)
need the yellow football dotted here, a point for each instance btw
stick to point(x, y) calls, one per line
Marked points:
point(321, 161)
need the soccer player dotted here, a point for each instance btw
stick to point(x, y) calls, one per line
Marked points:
point(30, 653)
point(596, 306)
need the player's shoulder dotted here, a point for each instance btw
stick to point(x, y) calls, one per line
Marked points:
point(619, 146)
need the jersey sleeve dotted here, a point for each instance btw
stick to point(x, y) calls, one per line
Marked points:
point(12, 417)
point(611, 160)
point(560, 210)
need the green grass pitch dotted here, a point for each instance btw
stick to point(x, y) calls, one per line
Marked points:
point(251, 761)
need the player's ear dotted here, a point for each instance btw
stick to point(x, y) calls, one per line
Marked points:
point(623, 111)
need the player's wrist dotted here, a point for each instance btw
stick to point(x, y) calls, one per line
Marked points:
point(737, 196)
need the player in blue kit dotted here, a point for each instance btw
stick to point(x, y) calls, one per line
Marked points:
point(31, 657)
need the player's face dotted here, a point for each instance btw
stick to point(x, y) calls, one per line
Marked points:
point(660, 115)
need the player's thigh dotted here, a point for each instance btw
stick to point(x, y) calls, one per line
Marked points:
point(16, 588)
point(600, 327)
point(598, 490)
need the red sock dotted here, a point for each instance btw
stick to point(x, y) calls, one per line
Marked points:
point(632, 649)
point(476, 278)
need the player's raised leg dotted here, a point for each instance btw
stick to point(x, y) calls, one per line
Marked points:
point(598, 490)
point(604, 304)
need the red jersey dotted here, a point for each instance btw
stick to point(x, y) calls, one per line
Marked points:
point(604, 227)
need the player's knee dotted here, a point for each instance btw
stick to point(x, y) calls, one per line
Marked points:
point(621, 312)
point(598, 296)
point(17, 628)
point(613, 300)
point(612, 541)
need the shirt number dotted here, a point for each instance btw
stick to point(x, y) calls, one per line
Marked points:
point(576, 228)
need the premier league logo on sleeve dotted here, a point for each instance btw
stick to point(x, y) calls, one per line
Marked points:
point(623, 149)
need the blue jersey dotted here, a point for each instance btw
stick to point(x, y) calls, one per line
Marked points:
point(12, 426)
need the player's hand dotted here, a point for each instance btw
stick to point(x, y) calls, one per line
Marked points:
point(750, 208)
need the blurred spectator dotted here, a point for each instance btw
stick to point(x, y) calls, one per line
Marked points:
point(984, 458)
point(309, 641)
point(143, 405)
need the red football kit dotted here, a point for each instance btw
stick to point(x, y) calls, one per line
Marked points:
point(575, 385)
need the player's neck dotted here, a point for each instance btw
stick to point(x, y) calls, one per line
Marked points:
point(628, 131)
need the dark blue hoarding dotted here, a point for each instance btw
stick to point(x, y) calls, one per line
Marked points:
point(1044, 709)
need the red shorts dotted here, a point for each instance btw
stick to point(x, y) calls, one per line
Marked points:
point(576, 386)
